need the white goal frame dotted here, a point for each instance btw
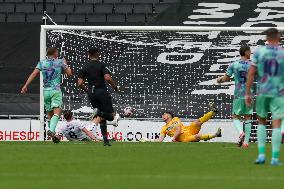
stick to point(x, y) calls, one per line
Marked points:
point(45, 28)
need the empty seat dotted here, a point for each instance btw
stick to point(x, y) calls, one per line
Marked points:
point(103, 8)
point(116, 18)
point(49, 7)
point(138, 18)
point(40, 1)
point(2, 17)
point(16, 17)
point(25, 7)
point(7, 7)
point(12, 1)
point(141, 1)
point(151, 17)
point(143, 8)
point(112, 1)
point(96, 18)
point(58, 18)
point(124, 8)
point(37, 18)
point(169, 1)
point(64, 8)
point(84, 8)
point(93, 1)
point(73, 1)
point(76, 18)
point(161, 7)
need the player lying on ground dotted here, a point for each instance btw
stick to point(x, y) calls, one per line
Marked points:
point(51, 69)
point(239, 70)
point(180, 133)
point(268, 66)
point(75, 130)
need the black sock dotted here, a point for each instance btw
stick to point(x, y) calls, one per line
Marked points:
point(104, 131)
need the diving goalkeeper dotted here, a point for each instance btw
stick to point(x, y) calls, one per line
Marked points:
point(180, 133)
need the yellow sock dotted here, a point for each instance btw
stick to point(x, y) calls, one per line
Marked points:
point(206, 117)
point(206, 137)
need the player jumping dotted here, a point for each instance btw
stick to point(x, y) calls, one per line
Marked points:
point(239, 70)
point(51, 69)
point(268, 65)
point(180, 133)
point(75, 130)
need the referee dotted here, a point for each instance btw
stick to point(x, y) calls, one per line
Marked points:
point(96, 73)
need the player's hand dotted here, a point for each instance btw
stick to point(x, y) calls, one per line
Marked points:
point(219, 80)
point(248, 100)
point(24, 90)
point(174, 140)
point(64, 61)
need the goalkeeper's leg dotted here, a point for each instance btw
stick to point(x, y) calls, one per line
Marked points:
point(209, 115)
point(204, 137)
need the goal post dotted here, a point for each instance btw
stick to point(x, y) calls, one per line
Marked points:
point(176, 50)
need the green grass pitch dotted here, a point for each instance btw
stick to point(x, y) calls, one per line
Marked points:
point(40, 165)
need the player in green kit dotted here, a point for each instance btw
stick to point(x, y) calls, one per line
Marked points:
point(268, 65)
point(239, 70)
point(51, 69)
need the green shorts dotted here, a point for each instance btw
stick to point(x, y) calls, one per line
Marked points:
point(52, 99)
point(265, 104)
point(240, 107)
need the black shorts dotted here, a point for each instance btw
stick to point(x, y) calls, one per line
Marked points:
point(101, 99)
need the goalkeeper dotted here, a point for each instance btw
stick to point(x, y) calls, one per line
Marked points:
point(180, 133)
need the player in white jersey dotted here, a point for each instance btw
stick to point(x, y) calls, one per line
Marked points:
point(75, 130)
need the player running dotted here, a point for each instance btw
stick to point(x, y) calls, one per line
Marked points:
point(268, 65)
point(96, 73)
point(180, 133)
point(75, 130)
point(239, 70)
point(51, 69)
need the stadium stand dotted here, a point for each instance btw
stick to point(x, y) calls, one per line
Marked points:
point(83, 11)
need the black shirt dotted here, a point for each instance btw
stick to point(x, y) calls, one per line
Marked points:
point(94, 72)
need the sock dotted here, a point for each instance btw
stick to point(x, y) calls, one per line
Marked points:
point(207, 137)
point(276, 142)
point(206, 117)
point(103, 127)
point(247, 130)
point(48, 123)
point(261, 137)
point(238, 125)
point(53, 122)
point(282, 126)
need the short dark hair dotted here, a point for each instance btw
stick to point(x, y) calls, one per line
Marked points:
point(50, 51)
point(243, 50)
point(168, 112)
point(92, 51)
point(67, 114)
point(272, 33)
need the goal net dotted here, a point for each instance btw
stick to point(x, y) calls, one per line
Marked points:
point(157, 68)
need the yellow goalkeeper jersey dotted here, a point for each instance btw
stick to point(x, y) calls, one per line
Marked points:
point(170, 128)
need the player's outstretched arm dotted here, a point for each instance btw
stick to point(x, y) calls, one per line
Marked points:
point(111, 81)
point(30, 79)
point(89, 134)
point(251, 74)
point(223, 79)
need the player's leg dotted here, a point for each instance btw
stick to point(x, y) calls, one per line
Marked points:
point(205, 137)
point(277, 110)
point(247, 112)
point(56, 105)
point(262, 109)
point(237, 112)
point(248, 125)
point(209, 115)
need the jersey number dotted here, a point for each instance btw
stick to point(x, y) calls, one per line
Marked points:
point(49, 74)
point(271, 67)
point(243, 77)
point(72, 134)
